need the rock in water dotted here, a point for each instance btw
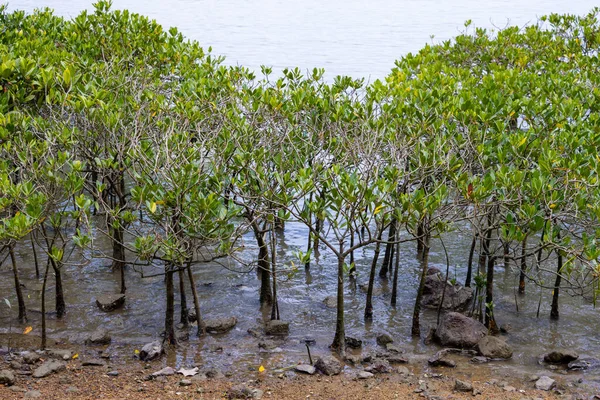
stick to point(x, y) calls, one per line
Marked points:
point(383, 339)
point(439, 360)
point(277, 328)
point(220, 325)
point(545, 383)
point(49, 367)
point(330, 302)
point(305, 368)
point(353, 343)
point(456, 297)
point(462, 386)
point(100, 336)
point(110, 302)
point(457, 330)
point(151, 351)
point(7, 377)
point(563, 356)
point(493, 347)
point(328, 365)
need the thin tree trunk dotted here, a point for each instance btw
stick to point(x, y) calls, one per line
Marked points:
point(470, 263)
point(170, 308)
point(199, 320)
point(264, 266)
point(416, 329)
point(523, 266)
point(118, 253)
point(60, 296)
point(396, 268)
point(20, 298)
point(184, 317)
point(352, 272)
point(369, 305)
point(420, 246)
point(389, 250)
point(35, 256)
point(490, 320)
point(559, 264)
point(44, 340)
point(275, 304)
point(339, 340)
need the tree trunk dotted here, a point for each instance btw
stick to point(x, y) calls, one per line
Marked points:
point(420, 245)
point(352, 272)
point(523, 266)
point(559, 265)
point(490, 321)
point(184, 316)
point(470, 263)
point(416, 329)
point(118, 253)
point(20, 298)
point(60, 297)
point(170, 308)
point(339, 340)
point(264, 266)
point(275, 304)
point(369, 305)
point(43, 344)
point(35, 256)
point(196, 301)
point(389, 251)
point(396, 268)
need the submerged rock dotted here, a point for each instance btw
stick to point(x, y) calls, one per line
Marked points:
point(277, 328)
point(493, 347)
point(220, 325)
point(456, 297)
point(7, 377)
point(151, 351)
point(563, 356)
point(328, 365)
point(457, 330)
point(330, 302)
point(353, 343)
point(49, 367)
point(110, 302)
point(383, 339)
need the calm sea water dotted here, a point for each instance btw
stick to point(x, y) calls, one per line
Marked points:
point(346, 37)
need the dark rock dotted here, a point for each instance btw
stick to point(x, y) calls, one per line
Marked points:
point(7, 377)
point(328, 365)
point(110, 302)
point(192, 316)
point(150, 351)
point(112, 373)
point(330, 302)
point(462, 386)
point(277, 328)
point(353, 343)
point(49, 367)
point(563, 356)
point(439, 360)
point(383, 339)
point(456, 297)
point(430, 337)
point(16, 365)
point(457, 330)
point(379, 366)
point(352, 359)
point(584, 364)
point(392, 348)
point(396, 359)
point(492, 347)
point(255, 332)
point(377, 291)
point(220, 325)
point(31, 357)
point(479, 360)
point(267, 344)
point(93, 363)
point(213, 373)
point(99, 337)
point(305, 368)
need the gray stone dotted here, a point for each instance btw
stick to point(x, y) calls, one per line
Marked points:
point(31, 357)
point(151, 351)
point(220, 325)
point(457, 330)
point(99, 337)
point(509, 388)
point(166, 371)
point(49, 367)
point(396, 359)
point(330, 302)
point(584, 364)
point(493, 347)
point(277, 328)
point(456, 297)
point(383, 339)
point(353, 343)
point(364, 375)
point(479, 360)
point(462, 386)
point(7, 377)
point(112, 373)
point(545, 383)
point(563, 356)
point(328, 365)
point(403, 371)
point(33, 394)
point(94, 362)
point(392, 348)
point(305, 368)
point(439, 360)
point(59, 353)
point(17, 389)
point(72, 390)
point(185, 382)
point(379, 366)
point(243, 392)
point(110, 302)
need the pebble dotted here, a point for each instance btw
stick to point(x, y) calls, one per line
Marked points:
point(185, 382)
point(113, 373)
point(33, 394)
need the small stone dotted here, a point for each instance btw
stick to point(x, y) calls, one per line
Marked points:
point(113, 373)
point(49, 367)
point(277, 328)
point(392, 348)
point(150, 351)
point(185, 382)
point(33, 394)
point(99, 337)
point(72, 390)
point(479, 360)
point(403, 371)
point(7, 377)
point(328, 365)
point(220, 325)
point(353, 343)
point(564, 356)
point(545, 383)
point(164, 372)
point(364, 375)
point(305, 368)
point(462, 386)
point(93, 363)
point(379, 367)
point(383, 339)
point(330, 302)
point(31, 357)
point(509, 388)
point(62, 354)
point(492, 347)
point(110, 302)
point(243, 392)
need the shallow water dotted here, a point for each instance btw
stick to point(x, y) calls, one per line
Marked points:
point(226, 293)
